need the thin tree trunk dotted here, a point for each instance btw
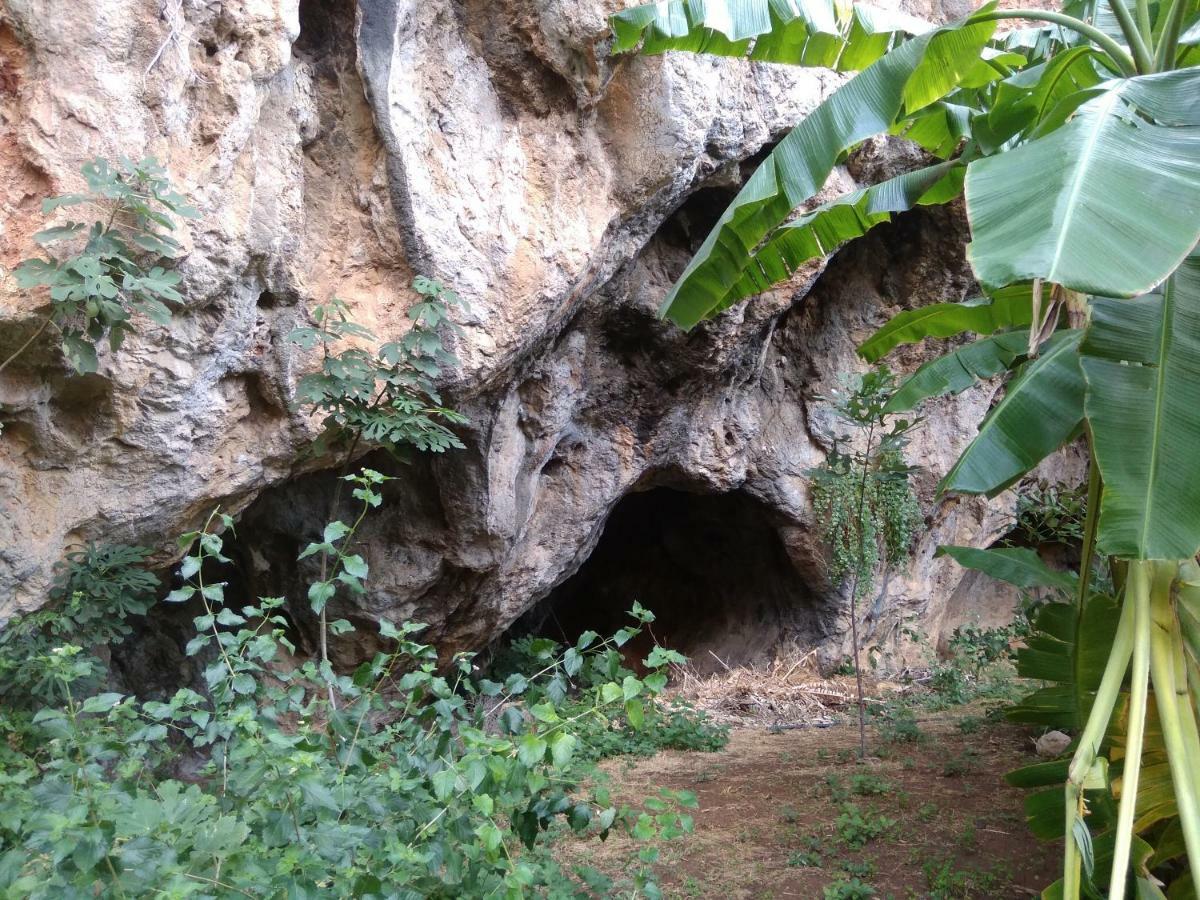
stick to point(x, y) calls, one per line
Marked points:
point(862, 502)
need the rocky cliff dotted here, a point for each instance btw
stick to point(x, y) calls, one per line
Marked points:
point(340, 148)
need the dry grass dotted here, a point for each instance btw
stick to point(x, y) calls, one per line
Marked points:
point(791, 693)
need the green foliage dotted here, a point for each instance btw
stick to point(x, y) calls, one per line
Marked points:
point(1049, 513)
point(804, 859)
point(960, 764)
point(901, 727)
point(979, 648)
point(970, 724)
point(97, 281)
point(663, 724)
point(864, 503)
point(849, 889)
point(946, 880)
point(857, 827)
point(94, 593)
point(385, 396)
point(864, 784)
point(422, 782)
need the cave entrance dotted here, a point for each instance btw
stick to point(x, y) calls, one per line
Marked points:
point(712, 568)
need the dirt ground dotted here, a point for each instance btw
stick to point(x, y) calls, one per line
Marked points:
point(773, 820)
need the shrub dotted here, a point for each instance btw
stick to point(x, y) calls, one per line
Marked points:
point(666, 724)
point(97, 282)
point(424, 780)
point(95, 591)
point(857, 828)
point(902, 728)
point(852, 889)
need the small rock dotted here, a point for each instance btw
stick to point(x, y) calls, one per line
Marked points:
point(1051, 744)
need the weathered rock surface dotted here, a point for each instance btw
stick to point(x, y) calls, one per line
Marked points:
point(340, 148)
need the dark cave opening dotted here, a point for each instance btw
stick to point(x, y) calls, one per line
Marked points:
point(711, 567)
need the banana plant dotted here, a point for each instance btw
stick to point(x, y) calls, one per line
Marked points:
point(1075, 143)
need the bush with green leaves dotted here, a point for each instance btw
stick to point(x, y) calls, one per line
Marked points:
point(385, 396)
point(94, 593)
point(1049, 512)
point(865, 507)
point(424, 781)
point(98, 274)
point(665, 724)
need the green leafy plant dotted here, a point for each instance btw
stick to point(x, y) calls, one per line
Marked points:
point(849, 889)
point(97, 278)
point(94, 593)
point(1072, 142)
point(946, 880)
point(804, 859)
point(1049, 512)
point(857, 827)
point(419, 783)
point(864, 784)
point(858, 868)
point(901, 727)
point(384, 397)
point(864, 504)
point(961, 764)
point(970, 724)
point(668, 724)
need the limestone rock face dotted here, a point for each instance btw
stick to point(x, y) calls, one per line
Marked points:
point(341, 147)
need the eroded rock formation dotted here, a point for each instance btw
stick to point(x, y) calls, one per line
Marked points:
point(334, 147)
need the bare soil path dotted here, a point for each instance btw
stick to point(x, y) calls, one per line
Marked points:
point(794, 814)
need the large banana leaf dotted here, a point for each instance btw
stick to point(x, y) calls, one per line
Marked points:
point(960, 369)
point(1024, 99)
point(1115, 204)
point(1070, 652)
point(1041, 410)
point(798, 32)
point(1140, 358)
point(1010, 307)
point(818, 233)
point(1018, 566)
point(798, 167)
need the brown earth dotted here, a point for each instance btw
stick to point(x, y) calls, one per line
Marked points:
point(768, 815)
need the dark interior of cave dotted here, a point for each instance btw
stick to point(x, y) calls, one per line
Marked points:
point(712, 569)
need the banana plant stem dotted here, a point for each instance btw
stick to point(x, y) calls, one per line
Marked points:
point(1137, 595)
point(1089, 744)
point(1142, 55)
point(1168, 42)
point(1143, 20)
point(1115, 51)
point(1178, 721)
point(1091, 518)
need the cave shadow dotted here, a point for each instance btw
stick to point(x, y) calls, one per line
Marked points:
point(711, 567)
